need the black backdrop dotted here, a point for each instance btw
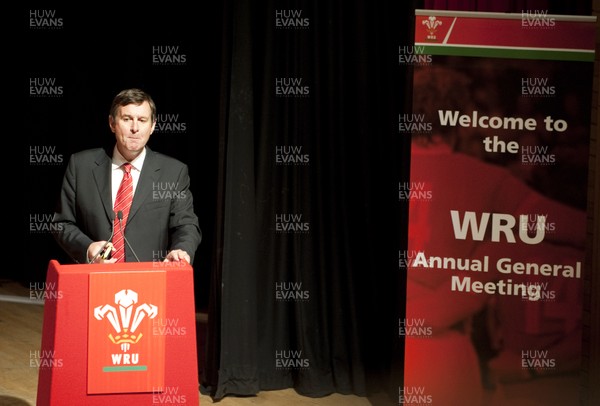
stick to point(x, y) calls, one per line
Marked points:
point(290, 133)
point(76, 61)
point(326, 228)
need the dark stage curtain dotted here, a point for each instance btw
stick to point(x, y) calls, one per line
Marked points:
point(305, 289)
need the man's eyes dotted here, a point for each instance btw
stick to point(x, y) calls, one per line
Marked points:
point(141, 120)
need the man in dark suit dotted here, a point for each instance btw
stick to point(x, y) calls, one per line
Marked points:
point(161, 223)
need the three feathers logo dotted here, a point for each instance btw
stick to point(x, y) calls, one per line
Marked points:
point(432, 24)
point(126, 320)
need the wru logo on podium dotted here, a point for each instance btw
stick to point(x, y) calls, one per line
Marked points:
point(126, 321)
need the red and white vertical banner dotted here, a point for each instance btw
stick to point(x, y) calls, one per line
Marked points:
point(500, 128)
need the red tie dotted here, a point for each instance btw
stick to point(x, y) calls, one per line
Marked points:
point(122, 204)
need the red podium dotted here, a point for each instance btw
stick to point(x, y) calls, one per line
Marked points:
point(119, 334)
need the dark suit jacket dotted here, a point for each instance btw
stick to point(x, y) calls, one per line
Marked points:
point(161, 217)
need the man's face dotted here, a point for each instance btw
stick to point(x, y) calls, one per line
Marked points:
point(132, 127)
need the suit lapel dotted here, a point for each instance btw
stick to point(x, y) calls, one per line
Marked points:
point(148, 177)
point(102, 177)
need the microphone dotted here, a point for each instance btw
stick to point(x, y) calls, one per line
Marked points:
point(112, 233)
point(120, 217)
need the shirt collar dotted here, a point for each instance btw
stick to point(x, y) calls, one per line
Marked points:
point(137, 163)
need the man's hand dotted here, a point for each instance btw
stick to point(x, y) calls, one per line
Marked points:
point(177, 255)
point(94, 249)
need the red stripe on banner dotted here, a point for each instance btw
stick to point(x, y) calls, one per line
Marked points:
point(524, 32)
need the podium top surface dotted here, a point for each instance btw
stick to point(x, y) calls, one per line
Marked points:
point(179, 266)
